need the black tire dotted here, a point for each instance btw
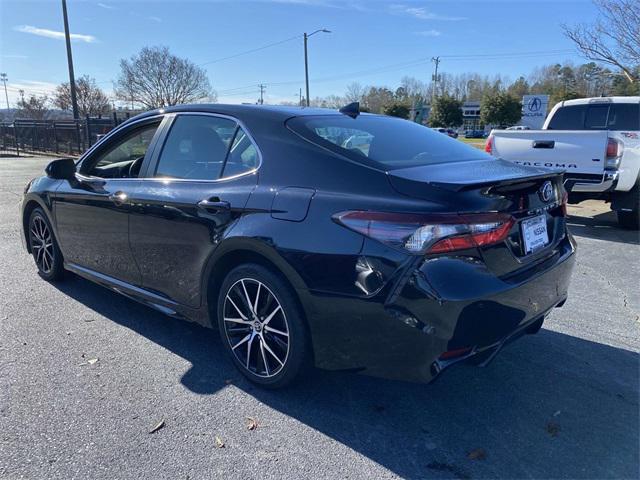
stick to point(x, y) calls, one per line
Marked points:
point(271, 364)
point(44, 247)
point(629, 220)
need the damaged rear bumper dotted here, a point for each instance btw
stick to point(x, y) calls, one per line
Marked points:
point(437, 313)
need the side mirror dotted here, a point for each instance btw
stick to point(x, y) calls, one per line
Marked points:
point(61, 169)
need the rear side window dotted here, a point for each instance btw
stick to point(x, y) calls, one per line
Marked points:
point(596, 117)
point(243, 155)
point(196, 147)
point(568, 118)
point(383, 142)
point(624, 116)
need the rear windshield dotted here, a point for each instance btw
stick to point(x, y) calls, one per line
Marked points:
point(383, 142)
point(597, 116)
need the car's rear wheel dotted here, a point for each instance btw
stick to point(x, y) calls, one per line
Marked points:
point(44, 247)
point(262, 326)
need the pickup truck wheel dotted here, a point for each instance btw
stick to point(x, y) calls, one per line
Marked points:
point(629, 220)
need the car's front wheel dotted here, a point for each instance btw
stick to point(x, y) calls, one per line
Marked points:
point(262, 326)
point(44, 247)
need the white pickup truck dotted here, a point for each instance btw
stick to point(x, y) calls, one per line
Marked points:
point(596, 141)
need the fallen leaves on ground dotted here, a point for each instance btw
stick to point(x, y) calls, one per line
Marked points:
point(91, 361)
point(157, 427)
point(219, 442)
point(477, 454)
point(252, 423)
point(553, 429)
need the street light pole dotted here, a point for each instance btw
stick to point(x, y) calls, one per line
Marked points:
point(72, 80)
point(306, 59)
point(4, 79)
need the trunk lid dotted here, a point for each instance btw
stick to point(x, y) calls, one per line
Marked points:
point(494, 185)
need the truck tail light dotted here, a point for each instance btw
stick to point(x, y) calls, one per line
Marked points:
point(488, 147)
point(424, 234)
point(614, 152)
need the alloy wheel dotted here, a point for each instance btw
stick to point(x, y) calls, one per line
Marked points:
point(42, 244)
point(256, 327)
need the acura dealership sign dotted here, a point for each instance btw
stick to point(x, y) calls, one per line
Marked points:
point(534, 110)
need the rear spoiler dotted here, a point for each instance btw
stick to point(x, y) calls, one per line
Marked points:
point(461, 187)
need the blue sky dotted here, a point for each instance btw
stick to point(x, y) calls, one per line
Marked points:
point(372, 42)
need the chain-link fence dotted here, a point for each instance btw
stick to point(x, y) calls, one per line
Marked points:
point(59, 137)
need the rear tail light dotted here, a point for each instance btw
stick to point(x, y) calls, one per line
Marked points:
point(614, 152)
point(438, 233)
point(488, 147)
point(459, 352)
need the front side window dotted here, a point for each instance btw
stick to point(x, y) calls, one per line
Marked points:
point(125, 157)
point(196, 147)
point(383, 142)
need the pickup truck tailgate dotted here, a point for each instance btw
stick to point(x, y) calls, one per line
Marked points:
point(578, 152)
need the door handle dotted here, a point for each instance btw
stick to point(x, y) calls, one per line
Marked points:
point(119, 198)
point(544, 144)
point(214, 205)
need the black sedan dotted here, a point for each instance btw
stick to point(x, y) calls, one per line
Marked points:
point(397, 257)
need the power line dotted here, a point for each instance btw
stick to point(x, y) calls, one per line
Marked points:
point(417, 62)
point(246, 52)
point(557, 51)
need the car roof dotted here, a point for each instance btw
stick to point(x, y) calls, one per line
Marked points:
point(584, 101)
point(275, 112)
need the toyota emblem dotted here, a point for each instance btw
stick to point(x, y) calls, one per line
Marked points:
point(546, 191)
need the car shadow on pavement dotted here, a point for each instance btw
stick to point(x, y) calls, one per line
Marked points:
point(550, 405)
point(603, 226)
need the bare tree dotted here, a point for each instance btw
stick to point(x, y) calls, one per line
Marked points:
point(614, 38)
point(355, 92)
point(92, 100)
point(33, 107)
point(156, 78)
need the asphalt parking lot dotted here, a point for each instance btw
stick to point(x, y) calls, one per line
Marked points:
point(86, 374)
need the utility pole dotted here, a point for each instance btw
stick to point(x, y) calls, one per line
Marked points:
point(262, 89)
point(72, 80)
point(306, 67)
point(435, 78)
point(306, 59)
point(4, 79)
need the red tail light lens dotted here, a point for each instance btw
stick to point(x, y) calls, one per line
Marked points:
point(488, 147)
point(459, 352)
point(438, 233)
point(614, 153)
